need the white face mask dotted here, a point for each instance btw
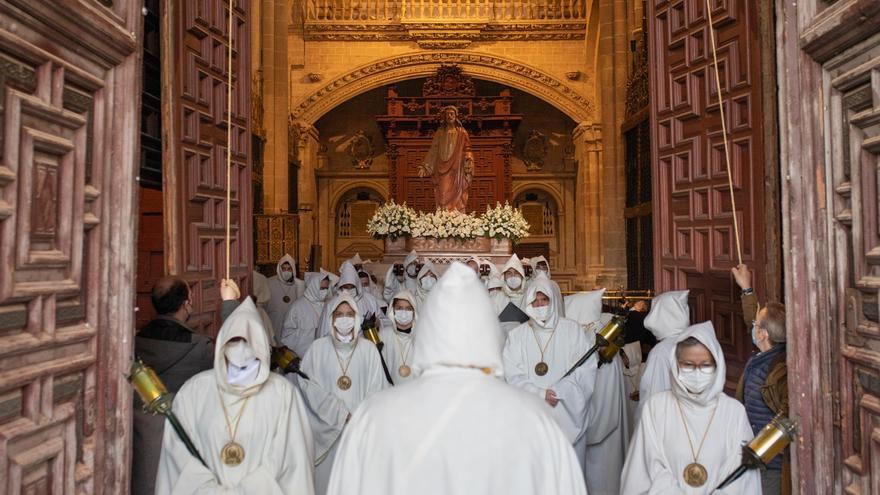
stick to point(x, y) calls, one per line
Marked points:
point(242, 366)
point(428, 282)
point(287, 276)
point(344, 326)
point(322, 294)
point(514, 282)
point(411, 270)
point(403, 316)
point(543, 270)
point(348, 292)
point(540, 312)
point(695, 381)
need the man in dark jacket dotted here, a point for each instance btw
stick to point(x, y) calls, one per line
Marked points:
point(176, 353)
point(763, 387)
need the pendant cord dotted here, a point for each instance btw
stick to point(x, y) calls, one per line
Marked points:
point(696, 453)
point(538, 341)
point(229, 144)
point(724, 131)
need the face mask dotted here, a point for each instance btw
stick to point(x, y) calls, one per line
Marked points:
point(695, 381)
point(348, 292)
point(544, 271)
point(514, 282)
point(287, 276)
point(322, 294)
point(243, 376)
point(344, 325)
point(411, 270)
point(403, 316)
point(428, 282)
point(755, 334)
point(239, 353)
point(540, 312)
point(400, 278)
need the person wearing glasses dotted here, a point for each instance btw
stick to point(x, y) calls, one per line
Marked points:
point(690, 437)
point(763, 386)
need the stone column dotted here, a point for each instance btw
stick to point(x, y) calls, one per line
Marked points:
point(276, 98)
point(304, 152)
point(587, 138)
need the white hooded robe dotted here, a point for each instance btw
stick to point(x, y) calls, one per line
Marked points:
point(669, 316)
point(456, 428)
point(398, 346)
point(567, 345)
point(659, 451)
point(322, 366)
point(514, 296)
point(294, 289)
point(300, 327)
point(421, 293)
point(273, 429)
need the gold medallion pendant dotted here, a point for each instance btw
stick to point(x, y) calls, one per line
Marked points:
point(344, 382)
point(232, 454)
point(695, 475)
point(286, 299)
point(404, 370)
point(541, 368)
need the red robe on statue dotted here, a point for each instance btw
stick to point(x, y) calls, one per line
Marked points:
point(450, 164)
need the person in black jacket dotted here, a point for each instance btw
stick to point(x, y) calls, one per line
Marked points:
point(176, 353)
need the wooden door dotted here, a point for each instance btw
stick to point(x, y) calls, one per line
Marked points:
point(194, 97)
point(69, 118)
point(694, 244)
point(829, 71)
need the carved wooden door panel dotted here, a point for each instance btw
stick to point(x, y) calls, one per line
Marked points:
point(69, 117)
point(829, 83)
point(195, 71)
point(693, 219)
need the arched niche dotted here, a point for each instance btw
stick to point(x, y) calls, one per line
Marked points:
point(352, 208)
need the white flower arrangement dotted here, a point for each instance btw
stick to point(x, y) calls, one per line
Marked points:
point(502, 222)
point(391, 220)
point(505, 222)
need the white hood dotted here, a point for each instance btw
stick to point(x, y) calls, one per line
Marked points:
point(356, 260)
point(244, 322)
point(348, 275)
point(585, 307)
point(426, 268)
point(333, 277)
point(286, 259)
point(408, 296)
point(262, 294)
point(495, 281)
point(705, 333)
point(534, 262)
point(457, 326)
point(313, 286)
point(411, 257)
point(669, 314)
point(515, 263)
point(542, 284)
point(327, 327)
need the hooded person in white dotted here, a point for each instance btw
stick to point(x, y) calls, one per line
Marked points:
point(285, 288)
point(344, 365)
point(608, 427)
point(426, 279)
point(540, 351)
point(499, 299)
point(455, 434)
point(300, 327)
point(695, 412)
point(541, 265)
point(272, 429)
point(350, 284)
point(669, 316)
point(398, 335)
point(410, 272)
point(514, 277)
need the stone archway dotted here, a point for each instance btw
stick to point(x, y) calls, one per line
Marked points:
point(421, 64)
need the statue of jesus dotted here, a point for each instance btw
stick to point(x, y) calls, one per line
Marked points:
point(449, 162)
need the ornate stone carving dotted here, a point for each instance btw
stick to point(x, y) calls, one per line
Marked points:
point(449, 81)
point(426, 31)
point(489, 67)
point(535, 150)
point(637, 83)
point(573, 75)
point(315, 77)
point(360, 150)
point(443, 44)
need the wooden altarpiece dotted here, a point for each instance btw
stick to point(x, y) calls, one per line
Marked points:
point(409, 126)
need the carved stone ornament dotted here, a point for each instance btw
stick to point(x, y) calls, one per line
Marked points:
point(315, 77)
point(573, 75)
point(449, 81)
point(360, 150)
point(637, 83)
point(423, 64)
point(535, 150)
point(257, 109)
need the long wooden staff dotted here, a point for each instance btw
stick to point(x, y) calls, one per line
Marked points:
point(229, 144)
